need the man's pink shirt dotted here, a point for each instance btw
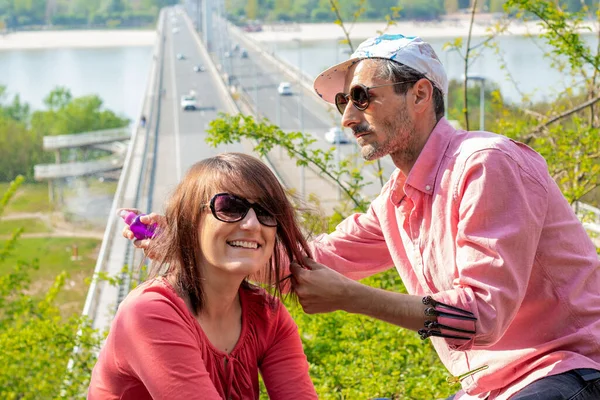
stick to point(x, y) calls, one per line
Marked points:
point(479, 224)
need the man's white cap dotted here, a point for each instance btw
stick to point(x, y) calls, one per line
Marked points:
point(411, 51)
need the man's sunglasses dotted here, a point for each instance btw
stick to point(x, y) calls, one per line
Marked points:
point(230, 208)
point(359, 95)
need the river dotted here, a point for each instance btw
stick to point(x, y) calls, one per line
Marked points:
point(518, 56)
point(117, 75)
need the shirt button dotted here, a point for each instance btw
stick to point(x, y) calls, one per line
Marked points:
point(427, 187)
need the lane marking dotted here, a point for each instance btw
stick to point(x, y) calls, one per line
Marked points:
point(175, 112)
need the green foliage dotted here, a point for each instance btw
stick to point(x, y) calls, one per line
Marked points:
point(37, 343)
point(322, 10)
point(24, 14)
point(356, 357)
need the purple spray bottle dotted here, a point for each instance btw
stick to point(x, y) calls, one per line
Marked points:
point(140, 230)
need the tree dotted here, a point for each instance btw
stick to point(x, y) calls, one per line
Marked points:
point(67, 115)
point(36, 342)
point(252, 9)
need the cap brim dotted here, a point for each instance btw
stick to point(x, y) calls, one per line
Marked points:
point(331, 81)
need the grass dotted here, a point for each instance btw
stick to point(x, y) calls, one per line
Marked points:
point(30, 197)
point(31, 225)
point(54, 256)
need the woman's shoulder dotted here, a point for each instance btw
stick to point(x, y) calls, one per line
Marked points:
point(151, 296)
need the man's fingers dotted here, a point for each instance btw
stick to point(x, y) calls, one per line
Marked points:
point(312, 264)
point(295, 269)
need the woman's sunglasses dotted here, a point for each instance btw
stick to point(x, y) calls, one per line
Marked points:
point(359, 96)
point(230, 208)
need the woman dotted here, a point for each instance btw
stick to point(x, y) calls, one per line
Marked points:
point(201, 330)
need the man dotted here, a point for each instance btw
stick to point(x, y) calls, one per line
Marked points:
point(501, 274)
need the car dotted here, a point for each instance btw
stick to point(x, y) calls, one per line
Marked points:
point(284, 89)
point(244, 54)
point(336, 135)
point(227, 54)
point(180, 56)
point(188, 102)
point(176, 30)
point(199, 68)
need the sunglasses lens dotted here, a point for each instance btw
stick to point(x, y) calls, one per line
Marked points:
point(360, 97)
point(264, 217)
point(341, 100)
point(229, 208)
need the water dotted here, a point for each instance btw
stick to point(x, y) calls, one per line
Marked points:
point(523, 57)
point(117, 75)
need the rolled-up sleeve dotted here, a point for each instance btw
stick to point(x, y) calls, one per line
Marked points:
point(500, 209)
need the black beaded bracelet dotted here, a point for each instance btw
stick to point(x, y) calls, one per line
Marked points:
point(425, 333)
point(429, 301)
point(434, 324)
point(432, 312)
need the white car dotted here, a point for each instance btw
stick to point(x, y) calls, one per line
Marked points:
point(199, 68)
point(176, 30)
point(188, 102)
point(180, 56)
point(284, 89)
point(336, 135)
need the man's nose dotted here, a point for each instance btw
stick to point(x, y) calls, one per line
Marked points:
point(351, 116)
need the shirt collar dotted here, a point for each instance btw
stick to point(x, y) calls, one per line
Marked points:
point(424, 172)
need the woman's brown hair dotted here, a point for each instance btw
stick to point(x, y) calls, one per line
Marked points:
point(177, 243)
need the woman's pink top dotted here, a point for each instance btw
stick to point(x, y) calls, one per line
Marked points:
point(157, 350)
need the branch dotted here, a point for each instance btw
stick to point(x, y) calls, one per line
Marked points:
point(544, 125)
point(336, 10)
point(468, 50)
point(534, 114)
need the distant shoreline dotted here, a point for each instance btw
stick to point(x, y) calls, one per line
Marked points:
point(447, 28)
point(79, 39)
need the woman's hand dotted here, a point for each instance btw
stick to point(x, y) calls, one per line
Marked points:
point(148, 219)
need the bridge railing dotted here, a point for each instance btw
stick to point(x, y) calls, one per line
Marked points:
point(73, 169)
point(86, 138)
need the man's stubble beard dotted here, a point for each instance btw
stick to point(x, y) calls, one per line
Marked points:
point(400, 140)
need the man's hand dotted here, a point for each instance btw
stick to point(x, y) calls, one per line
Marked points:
point(320, 289)
point(149, 219)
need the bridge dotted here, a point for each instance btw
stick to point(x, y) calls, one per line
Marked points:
point(173, 139)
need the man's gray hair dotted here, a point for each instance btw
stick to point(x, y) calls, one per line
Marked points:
point(396, 72)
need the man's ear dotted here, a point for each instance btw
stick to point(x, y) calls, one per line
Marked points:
point(422, 95)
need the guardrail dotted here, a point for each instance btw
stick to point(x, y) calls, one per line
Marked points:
point(74, 169)
point(89, 308)
point(292, 71)
point(86, 138)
